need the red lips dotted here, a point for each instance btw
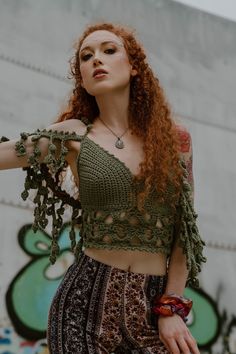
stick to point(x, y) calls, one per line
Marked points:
point(99, 71)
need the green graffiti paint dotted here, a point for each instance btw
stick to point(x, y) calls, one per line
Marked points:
point(205, 322)
point(30, 293)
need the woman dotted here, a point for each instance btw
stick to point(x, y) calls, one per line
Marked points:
point(139, 244)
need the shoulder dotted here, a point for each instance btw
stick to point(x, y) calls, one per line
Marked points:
point(185, 147)
point(184, 142)
point(186, 153)
point(184, 137)
point(69, 125)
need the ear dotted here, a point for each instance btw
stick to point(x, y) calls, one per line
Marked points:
point(82, 84)
point(134, 72)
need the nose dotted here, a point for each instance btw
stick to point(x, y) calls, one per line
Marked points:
point(96, 62)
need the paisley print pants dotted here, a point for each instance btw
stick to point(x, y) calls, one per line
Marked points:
point(101, 309)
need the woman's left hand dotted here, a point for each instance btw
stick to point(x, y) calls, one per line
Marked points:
point(176, 336)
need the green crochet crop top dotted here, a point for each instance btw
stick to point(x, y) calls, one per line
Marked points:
point(107, 207)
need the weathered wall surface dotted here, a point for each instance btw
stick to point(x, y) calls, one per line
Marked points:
point(194, 56)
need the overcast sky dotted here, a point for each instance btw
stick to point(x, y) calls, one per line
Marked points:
point(224, 8)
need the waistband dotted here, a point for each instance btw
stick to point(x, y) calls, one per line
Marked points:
point(119, 270)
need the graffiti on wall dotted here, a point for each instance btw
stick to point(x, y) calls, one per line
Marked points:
point(30, 293)
point(12, 343)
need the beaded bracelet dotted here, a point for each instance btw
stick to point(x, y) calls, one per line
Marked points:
point(168, 305)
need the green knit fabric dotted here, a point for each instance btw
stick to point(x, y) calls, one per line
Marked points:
point(107, 207)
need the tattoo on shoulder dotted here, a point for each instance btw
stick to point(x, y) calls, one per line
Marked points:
point(185, 140)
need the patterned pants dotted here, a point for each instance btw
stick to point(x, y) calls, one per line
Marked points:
point(101, 309)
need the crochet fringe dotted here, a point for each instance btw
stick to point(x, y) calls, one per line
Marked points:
point(188, 234)
point(44, 178)
point(50, 200)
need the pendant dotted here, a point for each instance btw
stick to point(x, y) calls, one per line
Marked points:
point(119, 144)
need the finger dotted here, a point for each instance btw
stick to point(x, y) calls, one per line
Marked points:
point(165, 344)
point(162, 339)
point(173, 347)
point(192, 344)
point(183, 346)
point(169, 344)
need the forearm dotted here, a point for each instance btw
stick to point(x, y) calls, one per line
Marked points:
point(177, 271)
point(9, 158)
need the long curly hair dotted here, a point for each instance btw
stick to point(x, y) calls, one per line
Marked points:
point(149, 117)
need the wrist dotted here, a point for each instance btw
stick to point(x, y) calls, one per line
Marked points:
point(171, 304)
point(174, 293)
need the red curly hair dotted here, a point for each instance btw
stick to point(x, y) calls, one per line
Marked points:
point(149, 117)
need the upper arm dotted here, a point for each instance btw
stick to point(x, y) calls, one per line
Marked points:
point(186, 153)
point(10, 159)
point(70, 125)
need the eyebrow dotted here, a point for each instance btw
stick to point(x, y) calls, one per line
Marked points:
point(106, 42)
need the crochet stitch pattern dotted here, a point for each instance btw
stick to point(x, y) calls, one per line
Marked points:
point(107, 209)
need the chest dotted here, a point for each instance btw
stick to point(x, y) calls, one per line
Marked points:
point(105, 181)
point(103, 150)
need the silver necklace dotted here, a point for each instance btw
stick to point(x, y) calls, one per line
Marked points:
point(119, 144)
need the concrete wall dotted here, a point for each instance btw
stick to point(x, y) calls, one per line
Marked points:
point(194, 56)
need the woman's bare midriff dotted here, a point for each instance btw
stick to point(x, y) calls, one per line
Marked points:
point(132, 261)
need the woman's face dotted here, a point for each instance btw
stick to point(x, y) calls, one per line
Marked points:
point(104, 63)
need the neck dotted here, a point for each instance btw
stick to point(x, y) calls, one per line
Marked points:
point(113, 109)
